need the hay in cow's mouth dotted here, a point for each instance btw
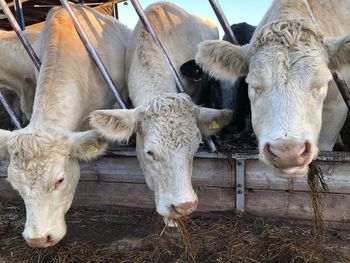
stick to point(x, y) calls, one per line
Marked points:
point(317, 185)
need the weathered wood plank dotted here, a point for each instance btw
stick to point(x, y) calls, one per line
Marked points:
point(296, 205)
point(130, 195)
point(266, 203)
point(126, 169)
point(259, 176)
point(210, 172)
point(206, 172)
point(122, 194)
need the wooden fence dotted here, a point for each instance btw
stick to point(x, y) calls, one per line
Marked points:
point(117, 179)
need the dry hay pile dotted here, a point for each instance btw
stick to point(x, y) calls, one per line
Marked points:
point(215, 237)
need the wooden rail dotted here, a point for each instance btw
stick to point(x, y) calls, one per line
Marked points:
point(117, 179)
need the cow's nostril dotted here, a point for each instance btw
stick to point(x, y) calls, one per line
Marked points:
point(49, 239)
point(185, 208)
point(307, 149)
point(269, 153)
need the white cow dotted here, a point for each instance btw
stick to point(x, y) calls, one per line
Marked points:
point(44, 155)
point(17, 71)
point(289, 63)
point(168, 125)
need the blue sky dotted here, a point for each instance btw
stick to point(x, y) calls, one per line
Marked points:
point(250, 11)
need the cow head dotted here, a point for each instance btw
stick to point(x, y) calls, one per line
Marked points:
point(168, 132)
point(44, 169)
point(288, 66)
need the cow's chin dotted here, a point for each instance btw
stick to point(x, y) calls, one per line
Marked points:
point(292, 173)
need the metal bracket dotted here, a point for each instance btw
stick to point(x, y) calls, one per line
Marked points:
point(240, 175)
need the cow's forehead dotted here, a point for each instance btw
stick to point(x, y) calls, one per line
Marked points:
point(170, 121)
point(288, 33)
point(303, 64)
point(37, 144)
point(35, 159)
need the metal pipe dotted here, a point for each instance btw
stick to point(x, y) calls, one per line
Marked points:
point(343, 88)
point(223, 21)
point(180, 87)
point(141, 13)
point(13, 117)
point(20, 34)
point(19, 14)
point(341, 83)
point(94, 55)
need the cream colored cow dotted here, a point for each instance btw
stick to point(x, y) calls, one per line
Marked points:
point(168, 125)
point(296, 108)
point(17, 71)
point(44, 155)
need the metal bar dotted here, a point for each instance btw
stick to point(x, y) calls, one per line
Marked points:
point(341, 83)
point(180, 87)
point(343, 88)
point(12, 115)
point(94, 55)
point(19, 13)
point(20, 35)
point(240, 175)
point(115, 10)
point(223, 21)
point(141, 13)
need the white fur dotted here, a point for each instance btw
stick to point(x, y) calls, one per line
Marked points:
point(17, 71)
point(167, 127)
point(69, 88)
point(289, 60)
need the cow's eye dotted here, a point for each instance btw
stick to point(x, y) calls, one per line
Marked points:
point(58, 183)
point(257, 89)
point(151, 154)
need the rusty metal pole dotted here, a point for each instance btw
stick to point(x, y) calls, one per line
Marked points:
point(223, 21)
point(94, 55)
point(20, 34)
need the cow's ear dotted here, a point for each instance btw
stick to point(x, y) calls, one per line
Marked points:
point(338, 52)
point(4, 135)
point(116, 125)
point(87, 145)
point(210, 121)
point(191, 70)
point(222, 60)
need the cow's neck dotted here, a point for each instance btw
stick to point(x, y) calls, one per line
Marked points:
point(328, 13)
point(65, 92)
point(17, 69)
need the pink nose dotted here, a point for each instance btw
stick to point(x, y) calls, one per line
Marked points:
point(288, 154)
point(186, 208)
point(40, 242)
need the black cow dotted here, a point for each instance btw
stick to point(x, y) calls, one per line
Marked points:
point(224, 94)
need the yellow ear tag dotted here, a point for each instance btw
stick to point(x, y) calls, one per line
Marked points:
point(214, 125)
point(92, 149)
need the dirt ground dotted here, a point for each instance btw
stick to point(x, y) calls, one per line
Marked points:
point(124, 235)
